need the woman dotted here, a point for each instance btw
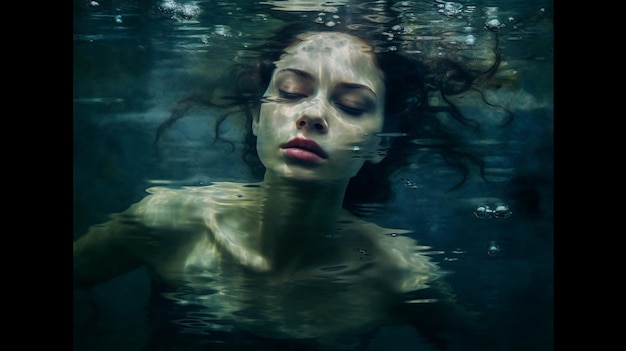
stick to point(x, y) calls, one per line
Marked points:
point(288, 261)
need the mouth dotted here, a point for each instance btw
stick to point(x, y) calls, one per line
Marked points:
point(304, 149)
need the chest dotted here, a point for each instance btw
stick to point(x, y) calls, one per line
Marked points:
point(318, 303)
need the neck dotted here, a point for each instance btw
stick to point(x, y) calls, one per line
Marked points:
point(298, 217)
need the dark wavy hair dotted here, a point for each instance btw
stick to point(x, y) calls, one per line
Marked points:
point(412, 124)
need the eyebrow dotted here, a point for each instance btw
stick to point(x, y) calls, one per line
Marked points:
point(298, 72)
point(358, 86)
point(308, 76)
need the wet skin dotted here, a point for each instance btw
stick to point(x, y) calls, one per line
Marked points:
point(326, 91)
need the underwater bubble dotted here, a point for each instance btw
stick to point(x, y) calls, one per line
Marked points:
point(493, 25)
point(451, 8)
point(481, 212)
point(493, 249)
point(502, 211)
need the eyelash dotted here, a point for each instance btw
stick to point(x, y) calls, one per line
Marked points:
point(295, 96)
point(350, 110)
point(290, 96)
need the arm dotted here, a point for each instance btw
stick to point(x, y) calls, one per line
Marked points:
point(428, 302)
point(152, 231)
point(107, 250)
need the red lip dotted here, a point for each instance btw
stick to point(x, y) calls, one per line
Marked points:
point(304, 149)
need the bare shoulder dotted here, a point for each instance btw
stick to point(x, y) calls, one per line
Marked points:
point(193, 222)
point(185, 206)
point(408, 263)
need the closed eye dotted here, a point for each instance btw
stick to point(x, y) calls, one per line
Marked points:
point(290, 96)
point(353, 111)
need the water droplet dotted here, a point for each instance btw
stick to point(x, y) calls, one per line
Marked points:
point(493, 25)
point(493, 249)
point(481, 211)
point(502, 211)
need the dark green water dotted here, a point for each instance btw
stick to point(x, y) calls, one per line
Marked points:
point(134, 59)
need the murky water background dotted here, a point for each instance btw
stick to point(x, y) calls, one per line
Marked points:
point(134, 59)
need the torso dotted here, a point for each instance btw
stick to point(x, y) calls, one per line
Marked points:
point(216, 270)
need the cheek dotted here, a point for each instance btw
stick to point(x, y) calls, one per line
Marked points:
point(275, 122)
point(266, 117)
point(363, 132)
point(276, 114)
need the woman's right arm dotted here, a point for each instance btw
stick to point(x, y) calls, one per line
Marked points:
point(109, 250)
point(124, 243)
point(151, 232)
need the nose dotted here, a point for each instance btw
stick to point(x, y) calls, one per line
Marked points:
point(313, 119)
point(317, 124)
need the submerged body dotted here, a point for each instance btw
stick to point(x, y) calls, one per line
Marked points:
point(284, 259)
point(204, 247)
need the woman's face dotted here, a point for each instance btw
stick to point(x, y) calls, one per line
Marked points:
point(322, 109)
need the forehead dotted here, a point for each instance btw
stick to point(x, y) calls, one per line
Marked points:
point(334, 53)
point(328, 42)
